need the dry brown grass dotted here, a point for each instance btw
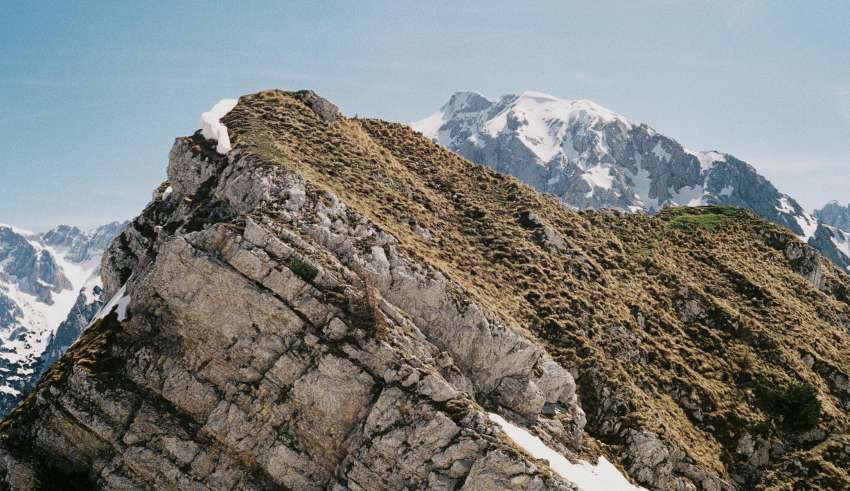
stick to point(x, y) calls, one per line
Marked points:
point(609, 303)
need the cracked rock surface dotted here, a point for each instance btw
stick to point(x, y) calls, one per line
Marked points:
point(255, 356)
point(338, 304)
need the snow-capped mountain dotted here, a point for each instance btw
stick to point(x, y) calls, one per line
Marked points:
point(591, 157)
point(49, 290)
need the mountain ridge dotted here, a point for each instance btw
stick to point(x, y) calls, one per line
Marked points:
point(591, 157)
point(339, 303)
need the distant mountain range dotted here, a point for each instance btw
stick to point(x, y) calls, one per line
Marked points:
point(591, 157)
point(49, 291)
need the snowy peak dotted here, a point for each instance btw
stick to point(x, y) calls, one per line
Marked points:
point(592, 157)
point(468, 102)
point(539, 121)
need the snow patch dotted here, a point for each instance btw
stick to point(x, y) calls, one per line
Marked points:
point(807, 223)
point(431, 125)
point(598, 177)
point(841, 239)
point(785, 206)
point(118, 303)
point(9, 390)
point(661, 153)
point(603, 476)
point(213, 129)
point(689, 196)
point(641, 185)
point(707, 159)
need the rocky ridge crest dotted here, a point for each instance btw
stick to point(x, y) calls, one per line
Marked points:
point(338, 304)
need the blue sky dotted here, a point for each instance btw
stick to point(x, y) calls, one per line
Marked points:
point(92, 95)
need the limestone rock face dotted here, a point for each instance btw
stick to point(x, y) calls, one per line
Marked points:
point(301, 350)
point(338, 304)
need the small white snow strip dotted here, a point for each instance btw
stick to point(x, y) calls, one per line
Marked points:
point(213, 129)
point(807, 223)
point(167, 193)
point(660, 152)
point(726, 191)
point(841, 239)
point(598, 176)
point(785, 206)
point(707, 159)
point(9, 390)
point(123, 302)
point(601, 477)
point(120, 301)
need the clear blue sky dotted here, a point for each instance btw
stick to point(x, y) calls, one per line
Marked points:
point(92, 95)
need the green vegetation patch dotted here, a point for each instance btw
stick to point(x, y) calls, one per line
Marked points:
point(303, 269)
point(702, 217)
point(797, 404)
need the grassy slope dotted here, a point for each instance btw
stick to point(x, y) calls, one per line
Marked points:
point(612, 301)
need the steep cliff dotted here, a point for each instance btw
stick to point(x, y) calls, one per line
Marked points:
point(339, 303)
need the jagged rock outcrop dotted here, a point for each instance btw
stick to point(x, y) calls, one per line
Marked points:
point(835, 215)
point(338, 304)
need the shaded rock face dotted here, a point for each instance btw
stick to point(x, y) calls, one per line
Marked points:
point(834, 244)
point(590, 157)
point(338, 305)
point(834, 214)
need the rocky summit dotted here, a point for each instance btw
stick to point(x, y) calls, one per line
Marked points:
point(339, 303)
